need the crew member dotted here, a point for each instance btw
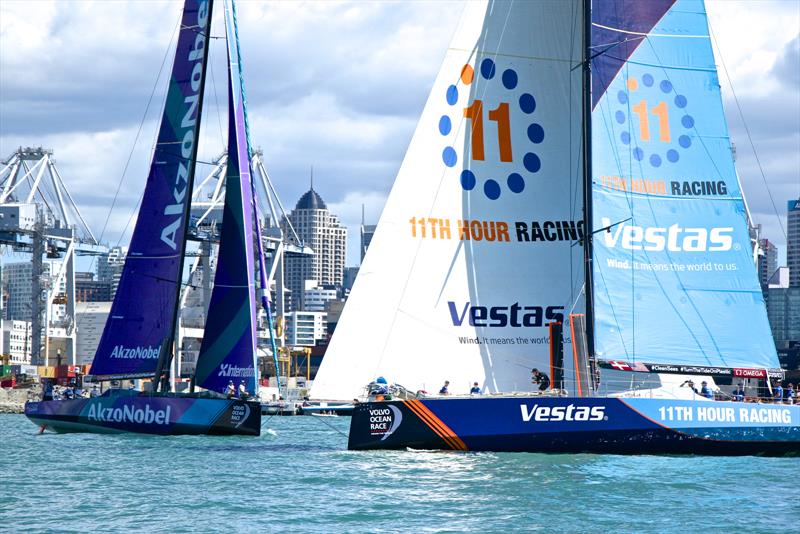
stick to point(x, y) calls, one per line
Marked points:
point(476, 390)
point(230, 389)
point(540, 378)
point(738, 394)
point(444, 390)
point(705, 391)
point(777, 393)
point(243, 390)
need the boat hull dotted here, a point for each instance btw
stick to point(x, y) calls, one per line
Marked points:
point(145, 414)
point(578, 425)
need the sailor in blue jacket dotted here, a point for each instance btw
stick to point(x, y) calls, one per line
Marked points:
point(777, 393)
point(705, 391)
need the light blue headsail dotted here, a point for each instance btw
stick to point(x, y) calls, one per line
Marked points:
point(142, 315)
point(674, 277)
point(229, 343)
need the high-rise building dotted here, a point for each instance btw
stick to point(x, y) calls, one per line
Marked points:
point(783, 311)
point(767, 261)
point(793, 242)
point(350, 274)
point(305, 328)
point(321, 230)
point(17, 284)
point(87, 289)
point(316, 297)
point(109, 267)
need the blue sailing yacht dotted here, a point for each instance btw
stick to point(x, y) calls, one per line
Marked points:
point(138, 338)
point(670, 287)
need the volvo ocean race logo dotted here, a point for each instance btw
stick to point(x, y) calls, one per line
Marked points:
point(129, 414)
point(384, 421)
point(562, 413)
point(239, 414)
point(514, 315)
point(187, 135)
point(673, 238)
point(138, 353)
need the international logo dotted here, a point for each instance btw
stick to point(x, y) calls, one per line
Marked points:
point(384, 421)
point(232, 371)
point(562, 413)
point(673, 238)
point(129, 414)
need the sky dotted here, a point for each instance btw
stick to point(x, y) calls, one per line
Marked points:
point(334, 85)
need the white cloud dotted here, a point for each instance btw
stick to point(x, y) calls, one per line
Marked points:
point(337, 85)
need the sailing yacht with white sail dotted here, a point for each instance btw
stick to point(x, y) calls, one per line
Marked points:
point(572, 167)
point(138, 338)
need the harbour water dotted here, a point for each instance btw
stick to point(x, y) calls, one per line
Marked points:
point(298, 476)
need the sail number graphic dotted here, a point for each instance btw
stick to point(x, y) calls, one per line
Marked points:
point(478, 122)
point(475, 114)
point(652, 116)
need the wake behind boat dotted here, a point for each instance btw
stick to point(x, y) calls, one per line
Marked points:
point(139, 336)
point(572, 167)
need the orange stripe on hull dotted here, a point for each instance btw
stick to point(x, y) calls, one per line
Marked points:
point(437, 425)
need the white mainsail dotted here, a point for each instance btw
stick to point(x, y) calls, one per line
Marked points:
point(477, 249)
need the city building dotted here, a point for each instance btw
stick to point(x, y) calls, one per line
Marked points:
point(15, 341)
point(315, 297)
point(109, 267)
point(783, 311)
point(304, 328)
point(767, 261)
point(793, 242)
point(17, 285)
point(87, 289)
point(90, 319)
point(367, 232)
point(350, 274)
point(321, 230)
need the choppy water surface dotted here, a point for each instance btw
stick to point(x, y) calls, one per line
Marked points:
point(298, 477)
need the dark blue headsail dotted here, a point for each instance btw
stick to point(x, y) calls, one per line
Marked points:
point(142, 314)
point(229, 342)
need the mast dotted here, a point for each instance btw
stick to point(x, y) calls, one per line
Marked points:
point(587, 176)
point(165, 358)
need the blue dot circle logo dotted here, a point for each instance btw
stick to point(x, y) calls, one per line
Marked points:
point(514, 179)
point(652, 111)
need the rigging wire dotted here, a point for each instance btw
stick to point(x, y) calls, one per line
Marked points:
point(747, 131)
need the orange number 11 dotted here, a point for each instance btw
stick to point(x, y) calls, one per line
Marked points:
point(661, 112)
point(501, 116)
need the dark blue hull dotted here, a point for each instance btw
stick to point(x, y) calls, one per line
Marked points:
point(578, 425)
point(145, 414)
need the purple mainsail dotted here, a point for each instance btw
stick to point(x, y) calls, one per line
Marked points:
point(229, 342)
point(142, 315)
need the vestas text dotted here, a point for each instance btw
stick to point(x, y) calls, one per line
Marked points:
point(514, 315)
point(562, 413)
point(187, 132)
point(673, 238)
